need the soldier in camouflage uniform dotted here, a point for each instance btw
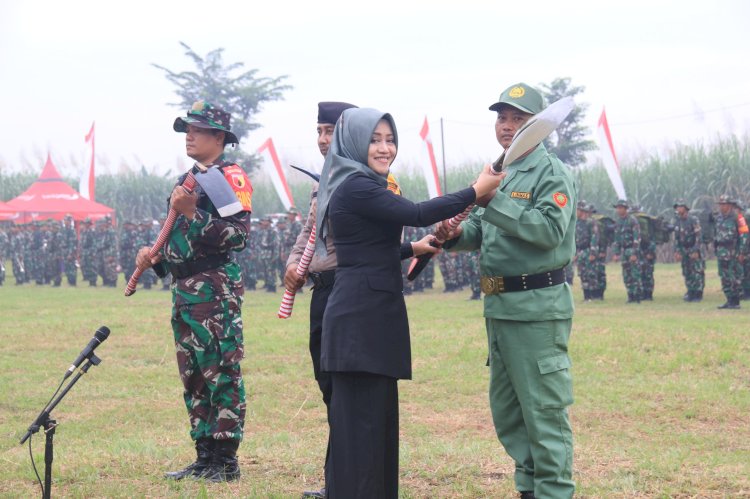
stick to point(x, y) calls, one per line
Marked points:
point(268, 251)
point(4, 250)
point(130, 242)
point(107, 250)
point(626, 247)
point(687, 244)
point(729, 238)
point(587, 250)
point(69, 248)
point(207, 293)
point(17, 248)
point(146, 237)
point(248, 259)
point(54, 253)
point(648, 254)
point(88, 252)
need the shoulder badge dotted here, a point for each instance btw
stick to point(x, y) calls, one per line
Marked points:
point(240, 185)
point(560, 198)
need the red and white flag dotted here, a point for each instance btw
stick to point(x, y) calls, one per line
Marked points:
point(609, 158)
point(430, 168)
point(86, 186)
point(272, 166)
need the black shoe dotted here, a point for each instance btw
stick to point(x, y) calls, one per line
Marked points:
point(476, 295)
point(647, 296)
point(224, 466)
point(315, 493)
point(204, 449)
point(731, 304)
point(745, 295)
point(633, 299)
point(697, 295)
point(527, 494)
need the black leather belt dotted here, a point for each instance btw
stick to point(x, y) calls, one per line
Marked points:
point(507, 284)
point(192, 267)
point(323, 279)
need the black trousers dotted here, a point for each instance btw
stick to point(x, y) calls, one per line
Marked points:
point(318, 304)
point(364, 437)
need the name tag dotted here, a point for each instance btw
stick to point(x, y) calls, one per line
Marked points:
point(520, 195)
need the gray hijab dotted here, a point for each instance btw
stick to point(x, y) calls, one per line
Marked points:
point(347, 156)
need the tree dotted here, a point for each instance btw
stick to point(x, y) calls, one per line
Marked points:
point(241, 94)
point(569, 141)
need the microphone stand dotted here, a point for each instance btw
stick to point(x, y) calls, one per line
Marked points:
point(43, 420)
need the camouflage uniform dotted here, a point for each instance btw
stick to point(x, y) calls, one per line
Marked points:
point(587, 251)
point(268, 251)
point(54, 254)
point(69, 248)
point(17, 245)
point(129, 246)
point(687, 243)
point(605, 227)
point(648, 259)
point(146, 237)
point(4, 250)
point(627, 244)
point(728, 241)
point(88, 253)
point(36, 251)
point(745, 252)
point(447, 264)
point(106, 247)
point(206, 319)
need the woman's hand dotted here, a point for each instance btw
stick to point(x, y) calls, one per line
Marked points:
point(486, 185)
point(423, 246)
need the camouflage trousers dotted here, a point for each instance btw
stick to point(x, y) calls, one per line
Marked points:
point(746, 275)
point(694, 272)
point(71, 271)
point(631, 276)
point(587, 270)
point(647, 275)
point(601, 273)
point(267, 270)
point(208, 339)
point(730, 272)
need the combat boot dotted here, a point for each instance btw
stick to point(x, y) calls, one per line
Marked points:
point(732, 303)
point(632, 298)
point(648, 296)
point(475, 295)
point(204, 449)
point(745, 295)
point(697, 295)
point(224, 466)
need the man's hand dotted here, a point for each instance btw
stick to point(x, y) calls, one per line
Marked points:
point(443, 232)
point(592, 258)
point(142, 260)
point(615, 258)
point(633, 258)
point(695, 255)
point(184, 201)
point(423, 246)
point(292, 281)
point(678, 257)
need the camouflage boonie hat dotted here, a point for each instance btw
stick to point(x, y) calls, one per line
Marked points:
point(621, 202)
point(522, 97)
point(591, 208)
point(680, 202)
point(205, 115)
point(581, 205)
point(725, 199)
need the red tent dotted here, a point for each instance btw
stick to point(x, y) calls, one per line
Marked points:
point(8, 214)
point(50, 197)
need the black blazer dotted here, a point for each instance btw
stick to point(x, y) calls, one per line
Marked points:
point(365, 326)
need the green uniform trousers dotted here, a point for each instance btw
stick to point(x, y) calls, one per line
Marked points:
point(530, 390)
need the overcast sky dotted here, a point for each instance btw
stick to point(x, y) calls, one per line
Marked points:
point(667, 71)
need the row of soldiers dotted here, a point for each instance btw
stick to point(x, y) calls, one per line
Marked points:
point(635, 246)
point(263, 261)
point(43, 251)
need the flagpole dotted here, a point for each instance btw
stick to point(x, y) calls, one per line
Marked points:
point(442, 149)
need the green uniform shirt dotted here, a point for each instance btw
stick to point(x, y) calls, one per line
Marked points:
point(527, 228)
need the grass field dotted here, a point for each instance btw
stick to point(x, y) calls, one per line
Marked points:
point(662, 397)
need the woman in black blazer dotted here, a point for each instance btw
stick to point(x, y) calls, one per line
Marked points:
point(366, 345)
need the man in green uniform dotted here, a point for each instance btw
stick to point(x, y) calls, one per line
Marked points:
point(207, 293)
point(527, 236)
point(647, 253)
point(268, 252)
point(88, 252)
point(729, 238)
point(627, 247)
point(70, 249)
point(687, 246)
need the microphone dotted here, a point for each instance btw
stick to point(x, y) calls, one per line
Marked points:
point(100, 335)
